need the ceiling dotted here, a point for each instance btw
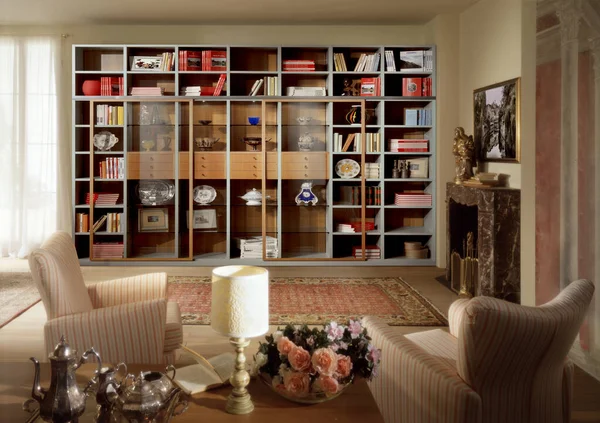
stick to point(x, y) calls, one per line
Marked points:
point(355, 12)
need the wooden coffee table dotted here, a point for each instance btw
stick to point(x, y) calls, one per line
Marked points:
point(356, 404)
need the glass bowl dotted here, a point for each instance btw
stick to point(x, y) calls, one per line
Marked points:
point(310, 398)
point(253, 120)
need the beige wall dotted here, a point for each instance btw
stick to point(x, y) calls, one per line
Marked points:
point(497, 42)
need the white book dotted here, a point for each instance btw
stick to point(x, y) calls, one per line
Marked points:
point(206, 374)
point(253, 87)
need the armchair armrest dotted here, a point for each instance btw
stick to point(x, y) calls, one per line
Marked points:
point(133, 333)
point(414, 386)
point(456, 314)
point(149, 286)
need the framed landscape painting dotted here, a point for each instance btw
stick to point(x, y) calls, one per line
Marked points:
point(497, 126)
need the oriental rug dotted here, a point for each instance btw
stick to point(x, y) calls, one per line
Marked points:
point(18, 294)
point(317, 301)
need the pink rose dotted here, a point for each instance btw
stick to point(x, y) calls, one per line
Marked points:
point(324, 360)
point(284, 345)
point(299, 359)
point(328, 384)
point(296, 383)
point(344, 366)
point(373, 354)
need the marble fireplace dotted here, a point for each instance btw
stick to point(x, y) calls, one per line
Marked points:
point(492, 215)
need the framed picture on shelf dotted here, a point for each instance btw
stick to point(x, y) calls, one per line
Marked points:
point(146, 63)
point(153, 220)
point(497, 121)
point(203, 219)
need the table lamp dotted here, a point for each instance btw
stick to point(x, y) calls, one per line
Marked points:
point(240, 310)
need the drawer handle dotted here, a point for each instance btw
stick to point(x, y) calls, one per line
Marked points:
point(305, 158)
point(305, 166)
point(254, 166)
point(151, 167)
point(203, 158)
point(255, 158)
point(254, 174)
point(152, 175)
point(151, 158)
point(204, 175)
point(203, 166)
point(306, 175)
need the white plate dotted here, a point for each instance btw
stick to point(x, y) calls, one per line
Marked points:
point(347, 168)
point(204, 194)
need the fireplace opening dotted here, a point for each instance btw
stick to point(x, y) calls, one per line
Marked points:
point(463, 248)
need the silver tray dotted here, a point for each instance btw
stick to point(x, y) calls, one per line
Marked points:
point(155, 192)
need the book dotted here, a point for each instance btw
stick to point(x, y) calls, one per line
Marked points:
point(411, 61)
point(206, 374)
point(412, 87)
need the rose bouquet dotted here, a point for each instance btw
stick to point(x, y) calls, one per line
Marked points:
point(310, 365)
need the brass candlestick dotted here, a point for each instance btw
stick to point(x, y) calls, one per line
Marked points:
point(239, 401)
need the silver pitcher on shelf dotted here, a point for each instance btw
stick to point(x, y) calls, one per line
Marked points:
point(64, 400)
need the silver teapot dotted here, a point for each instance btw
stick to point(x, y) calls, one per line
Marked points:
point(64, 400)
point(107, 390)
point(149, 397)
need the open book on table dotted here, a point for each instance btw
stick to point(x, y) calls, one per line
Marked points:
point(206, 374)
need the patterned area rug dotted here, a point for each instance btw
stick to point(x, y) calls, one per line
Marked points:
point(317, 301)
point(17, 294)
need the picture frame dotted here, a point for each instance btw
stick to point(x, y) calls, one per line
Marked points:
point(418, 167)
point(203, 219)
point(497, 121)
point(146, 63)
point(153, 220)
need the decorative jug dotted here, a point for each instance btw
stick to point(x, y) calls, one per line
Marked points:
point(306, 195)
point(306, 142)
point(107, 391)
point(63, 401)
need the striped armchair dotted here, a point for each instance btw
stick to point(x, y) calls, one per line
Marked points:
point(501, 362)
point(127, 319)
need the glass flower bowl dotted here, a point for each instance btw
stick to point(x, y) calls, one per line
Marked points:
point(310, 398)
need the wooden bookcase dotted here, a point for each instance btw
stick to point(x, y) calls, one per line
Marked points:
point(169, 125)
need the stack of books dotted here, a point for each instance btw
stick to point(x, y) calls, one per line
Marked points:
point(417, 117)
point(367, 63)
point(372, 252)
point(197, 90)
point(112, 168)
point(82, 222)
point(103, 198)
point(252, 247)
point(268, 85)
point(371, 170)
point(305, 91)
point(109, 115)
point(340, 62)
point(112, 85)
point(108, 250)
point(345, 228)
point(390, 62)
point(401, 145)
point(148, 91)
point(412, 199)
point(205, 60)
point(299, 65)
point(370, 87)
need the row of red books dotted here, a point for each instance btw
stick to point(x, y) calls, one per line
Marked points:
point(205, 60)
point(103, 198)
point(408, 145)
point(112, 168)
point(299, 65)
point(417, 87)
point(370, 87)
point(112, 85)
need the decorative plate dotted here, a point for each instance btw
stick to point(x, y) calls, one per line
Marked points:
point(155, 192)
point(105, 140)
point(347, 168)
point(204, 194)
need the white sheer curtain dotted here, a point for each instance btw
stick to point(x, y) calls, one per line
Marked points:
point(29, 128)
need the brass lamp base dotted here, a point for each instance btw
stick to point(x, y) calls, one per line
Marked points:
point(239, 401)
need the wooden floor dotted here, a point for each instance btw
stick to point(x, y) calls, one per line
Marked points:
point(23, 337)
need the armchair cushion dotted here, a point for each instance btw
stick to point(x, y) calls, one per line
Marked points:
point(133, 332)
point(415, 386)
point(149, 286)
point(438, 343)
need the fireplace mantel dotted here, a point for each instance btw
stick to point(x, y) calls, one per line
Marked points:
point(498, 237)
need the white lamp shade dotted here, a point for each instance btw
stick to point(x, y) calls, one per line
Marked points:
point(240, 301)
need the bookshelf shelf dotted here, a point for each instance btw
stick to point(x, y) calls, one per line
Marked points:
point(305, 235)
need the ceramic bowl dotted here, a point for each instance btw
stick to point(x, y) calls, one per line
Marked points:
point(304, 120)
point(204, 122)
point(253, 120)
point(205, 143)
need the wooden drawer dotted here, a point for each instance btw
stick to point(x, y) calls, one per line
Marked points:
point(304, 157)
point(149, 174)
point(209, 174)
point(241, 157)
point(149, 166)
point(245, 174)
point(303, 174)
point(151, 157)
point(319, 166)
